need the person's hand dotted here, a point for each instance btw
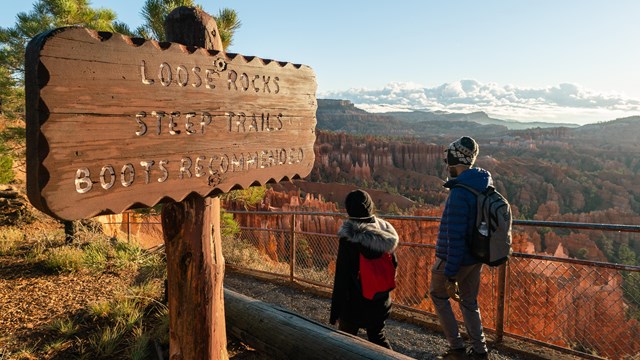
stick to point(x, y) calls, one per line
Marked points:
point(452, 289)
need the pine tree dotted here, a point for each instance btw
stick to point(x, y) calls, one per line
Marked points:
point(45, 15)
point(50, 14)
point(154, 12)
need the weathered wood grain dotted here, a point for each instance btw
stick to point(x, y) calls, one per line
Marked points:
point(115, 122)
point(195, 270)
point(195, 265)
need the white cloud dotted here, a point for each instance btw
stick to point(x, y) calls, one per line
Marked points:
point(561, 103)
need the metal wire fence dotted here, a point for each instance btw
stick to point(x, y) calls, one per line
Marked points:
point(587, 308)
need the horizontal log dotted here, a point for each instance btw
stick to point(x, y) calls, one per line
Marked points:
point(284, 334)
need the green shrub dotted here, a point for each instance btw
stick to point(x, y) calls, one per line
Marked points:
point(145, 293)
point(26, 353)
point(10, 238)
point(126, 312)
point(161, 331)
point(65, 327)
point(241, 252)
point(64, 259)
point(107, 341)
point(122, 326)
point(230, 228)
point(6, 170)
point(251, 196)
point(99, 310)
point(57, 345)
point(96, 255)
point(154, 267)
point(128, 256)
point(139, 349)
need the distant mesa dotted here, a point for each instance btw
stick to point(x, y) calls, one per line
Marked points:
point(411, 122)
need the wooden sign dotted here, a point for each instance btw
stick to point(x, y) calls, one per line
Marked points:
point(115, 122)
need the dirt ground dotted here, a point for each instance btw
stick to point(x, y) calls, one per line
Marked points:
point(410, 334)
point(31, 298)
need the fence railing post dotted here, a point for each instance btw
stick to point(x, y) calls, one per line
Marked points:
point(292, 246)
point(502, 290)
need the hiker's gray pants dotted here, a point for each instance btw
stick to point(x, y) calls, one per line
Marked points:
point(469, 283)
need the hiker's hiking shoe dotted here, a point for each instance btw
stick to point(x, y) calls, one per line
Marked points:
point(472, 354)
point(460, 353)
point(463, 353)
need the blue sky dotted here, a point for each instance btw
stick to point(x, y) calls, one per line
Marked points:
point(567, 61)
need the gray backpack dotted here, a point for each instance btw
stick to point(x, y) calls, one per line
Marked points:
point(491, 241)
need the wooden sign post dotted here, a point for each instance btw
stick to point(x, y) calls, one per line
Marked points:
point(115, 123)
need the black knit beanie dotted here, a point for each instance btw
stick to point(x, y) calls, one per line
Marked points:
point(359, 205)
point(462, 151)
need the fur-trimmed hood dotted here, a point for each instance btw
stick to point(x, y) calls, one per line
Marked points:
point(379, 236)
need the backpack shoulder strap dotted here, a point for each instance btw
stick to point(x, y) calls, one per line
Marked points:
point(479, 204)
point(474, 191)
point(468, 188)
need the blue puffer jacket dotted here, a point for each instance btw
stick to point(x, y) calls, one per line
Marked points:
point(458, 220)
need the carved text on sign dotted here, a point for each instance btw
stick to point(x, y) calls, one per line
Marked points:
point(197, 75)
point(187, 167)
point(115, 123)
point(195, 123)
